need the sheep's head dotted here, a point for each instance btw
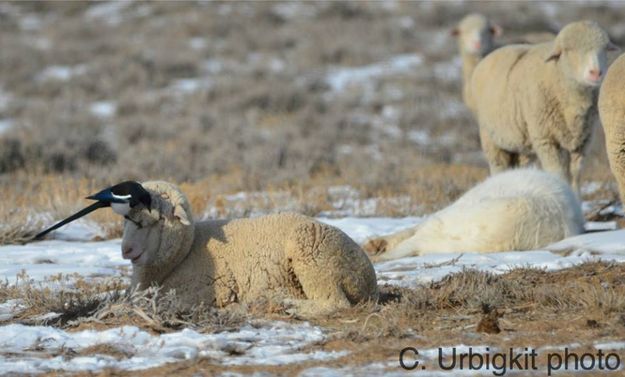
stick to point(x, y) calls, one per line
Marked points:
point(581, 50)
point(158, 238)
point(476, 34)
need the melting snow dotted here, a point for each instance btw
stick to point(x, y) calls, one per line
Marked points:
point(272, 343)
point(198, 43)
point(419, 137)
point(5, 125)
point(108, 11)
point(341, 78)
point(61, 73)
point(103, 109)
point(190, 85)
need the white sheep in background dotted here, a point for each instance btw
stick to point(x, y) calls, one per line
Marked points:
point(520, 209)
point(476, 38)
point(315, 266)
point(541, 99)
point(612, 113)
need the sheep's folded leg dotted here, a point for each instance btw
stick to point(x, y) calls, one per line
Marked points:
point(331, 269)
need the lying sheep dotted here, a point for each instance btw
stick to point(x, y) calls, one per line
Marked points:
point(476, 38)
point(612, 113)
point(520, 209)
point(219, 262)
point(541, 99)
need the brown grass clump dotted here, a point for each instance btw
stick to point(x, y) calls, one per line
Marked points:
point(525, 299)
point(110, 303)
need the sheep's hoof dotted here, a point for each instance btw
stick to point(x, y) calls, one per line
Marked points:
point(375, 246)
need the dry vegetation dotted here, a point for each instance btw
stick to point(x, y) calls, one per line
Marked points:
point(231, 97)
point(529, 308)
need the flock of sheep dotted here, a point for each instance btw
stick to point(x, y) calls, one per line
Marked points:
point(531, 102)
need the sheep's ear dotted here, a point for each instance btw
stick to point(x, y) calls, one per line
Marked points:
point(613, 47)
point(496, 30)
point(554, 55)
point(181, 215)
point(454, 32)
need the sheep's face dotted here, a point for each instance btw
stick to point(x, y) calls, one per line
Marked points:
point(476, 34)
point(158, 236)
point(581, 50)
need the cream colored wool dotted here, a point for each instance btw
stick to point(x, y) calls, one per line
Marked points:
point(612, 113)
point(520, 209)
point(316, 266)
point(476, 38)
point(540, 99)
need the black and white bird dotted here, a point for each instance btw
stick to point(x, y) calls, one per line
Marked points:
point(121, 198)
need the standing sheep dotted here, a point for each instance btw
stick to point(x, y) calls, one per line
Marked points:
point(541, 99)
point(315, 266)
point(612, 113)
point(520, 209)
point(476, 38)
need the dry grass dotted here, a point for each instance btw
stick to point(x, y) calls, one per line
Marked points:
point(264, 118)
point(34, 202)
point(594, 290)
point(111, 303)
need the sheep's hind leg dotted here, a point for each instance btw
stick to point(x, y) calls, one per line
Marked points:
point(498, 159)
point(554, 160)
point(311, 258)
point(379, 245)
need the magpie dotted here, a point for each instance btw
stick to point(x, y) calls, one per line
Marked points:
point(121, 198)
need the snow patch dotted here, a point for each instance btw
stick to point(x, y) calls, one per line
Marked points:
point(448, 71)
point(190, 85)
point(10, 309)
point(198, 43)
point(419, 137)
point(290, 9)
point(340, 78)
point(103, 109)
point(271, 343)
point(30, 22)
point(5, 125)
point(108, 11)
point(61, 73)
point(362, 228)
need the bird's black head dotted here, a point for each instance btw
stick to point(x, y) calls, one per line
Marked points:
point(129, 192)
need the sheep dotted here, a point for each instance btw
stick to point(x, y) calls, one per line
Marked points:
point(315, 267)
point(541, 99)
point(612, 114)
point(519, 209)
point(476, 38)
point(476, 35)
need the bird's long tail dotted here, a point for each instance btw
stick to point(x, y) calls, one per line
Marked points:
point(73, 217)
